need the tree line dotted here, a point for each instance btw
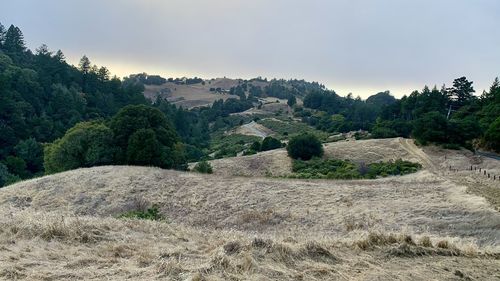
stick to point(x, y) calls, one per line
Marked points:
point(452, 116)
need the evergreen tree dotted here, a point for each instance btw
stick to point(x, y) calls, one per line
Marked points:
point(2, 35)
point(462, 91)
point(84, 65)
point(14, 45)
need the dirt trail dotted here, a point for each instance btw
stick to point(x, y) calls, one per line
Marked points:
point(409, 146)
point(254, 129)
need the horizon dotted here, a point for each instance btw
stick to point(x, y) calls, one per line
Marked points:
point(358, 47)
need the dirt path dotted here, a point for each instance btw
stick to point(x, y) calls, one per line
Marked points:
point(409, 146)
point(254, 129)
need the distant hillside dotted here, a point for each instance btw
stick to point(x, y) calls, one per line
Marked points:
point(192, 95)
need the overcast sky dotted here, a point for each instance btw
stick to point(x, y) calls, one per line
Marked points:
point(358, 46)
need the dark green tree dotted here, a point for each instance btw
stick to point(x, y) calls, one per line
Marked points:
point(87, 144)
point(492, 136)
point(431, 127)
point(7, 178)
point(16, 166)
point(462, 91)
point(304, 147)
point(2, 35)
point(85, 65)
point(144, 149)
point(133, 118)
point(32, 153)
point(270, 143)
point(13, 43)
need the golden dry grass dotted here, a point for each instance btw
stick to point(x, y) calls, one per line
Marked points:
point(423, 226)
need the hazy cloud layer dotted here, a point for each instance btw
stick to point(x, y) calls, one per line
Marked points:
point(359, 46)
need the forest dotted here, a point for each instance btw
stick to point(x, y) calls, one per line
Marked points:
point(55, 116)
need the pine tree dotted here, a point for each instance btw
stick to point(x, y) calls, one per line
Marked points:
point(13, 45)
point(2, 35)
point(462, 91)
point(85, 65)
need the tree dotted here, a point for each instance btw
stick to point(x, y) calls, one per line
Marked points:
point(2, 35)
point(84, 65)
point(305, 147)
point(431, 127)
point(381, 99)
point(7, 178)
point(144, 149)
point(256, 146)
point(59, 56)
point(103, 74)
point(32, 153)
point(16, 166)
point(14, 41)
point(153, 127)
point(270, 143)
point(462, 91)
point(291, 101)
point(492, 135)
point(87, 144)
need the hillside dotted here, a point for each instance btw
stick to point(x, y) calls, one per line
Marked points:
point(277, 162)
point(220, 226)
point(189, 96)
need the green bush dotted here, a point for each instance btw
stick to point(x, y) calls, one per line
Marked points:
point(150, 214)
point(399, 167)
point(305, 147)
point(87, 144)
point(249, 152)
point(270, 143)
point(318, 168)
point(256, 146)
point(203, 167)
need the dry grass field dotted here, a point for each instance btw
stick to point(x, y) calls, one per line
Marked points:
point(239, 225)
point(195, 95)
point(189, 96)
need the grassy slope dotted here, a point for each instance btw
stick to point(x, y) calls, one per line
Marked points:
point(63, 225)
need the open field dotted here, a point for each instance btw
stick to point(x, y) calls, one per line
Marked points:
point(430, 225)
point(189, 96)
point(195, 95)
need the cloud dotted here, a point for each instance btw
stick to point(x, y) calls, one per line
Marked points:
point(359, 46)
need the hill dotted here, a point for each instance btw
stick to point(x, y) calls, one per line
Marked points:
point(418, 227)
point(193, 95)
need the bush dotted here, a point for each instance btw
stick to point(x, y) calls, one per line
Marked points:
point(87, 144)
point(270, 143)
point(256, 146)
point(318, 168)
point(203, 167)
point(305, 147)
point(150, 214)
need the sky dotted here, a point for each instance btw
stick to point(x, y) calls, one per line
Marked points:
point(351, 46)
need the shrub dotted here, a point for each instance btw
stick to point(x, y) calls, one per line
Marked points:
point(203, 167)
point(256, 146)
point(318, 168)
point(304, 147)
point(270, 143)
point(150, 214)
point(87, 144)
